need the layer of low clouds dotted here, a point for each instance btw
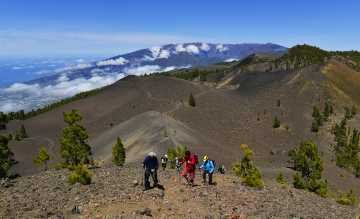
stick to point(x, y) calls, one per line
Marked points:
point(25, 96)
point(28, 96)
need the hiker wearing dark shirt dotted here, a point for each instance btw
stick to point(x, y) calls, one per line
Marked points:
point(151, 165)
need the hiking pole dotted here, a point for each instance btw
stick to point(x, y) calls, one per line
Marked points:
point(142, 176)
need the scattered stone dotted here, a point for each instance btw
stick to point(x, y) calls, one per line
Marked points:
point(145, 212)
point(49, 195)
point(135, 183)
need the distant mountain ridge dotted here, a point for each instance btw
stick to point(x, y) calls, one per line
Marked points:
point(163, 58)
point(88, 76)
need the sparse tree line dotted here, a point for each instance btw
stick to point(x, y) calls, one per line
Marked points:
point(75, 151)
point(347, 143)
point(319, 118)
point(22, 115)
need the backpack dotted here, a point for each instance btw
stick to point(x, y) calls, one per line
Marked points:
point(214, 163)
point(195, 157)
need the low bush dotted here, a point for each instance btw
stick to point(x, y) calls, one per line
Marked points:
point(347, 198)
point(81, 175)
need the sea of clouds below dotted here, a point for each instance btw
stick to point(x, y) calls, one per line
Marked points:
point(24, 96)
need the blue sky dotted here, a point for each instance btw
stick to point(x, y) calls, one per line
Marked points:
point(110, 27)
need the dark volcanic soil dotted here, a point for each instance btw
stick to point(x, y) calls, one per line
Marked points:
point(114, 194)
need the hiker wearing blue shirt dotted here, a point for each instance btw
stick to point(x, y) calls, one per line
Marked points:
point(208, 168)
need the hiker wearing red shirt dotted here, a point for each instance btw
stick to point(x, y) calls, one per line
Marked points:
point(190, 161)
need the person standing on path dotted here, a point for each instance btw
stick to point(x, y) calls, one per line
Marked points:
point(190, 161)
point(208, 168)
point(151, 165)
point(164, 161)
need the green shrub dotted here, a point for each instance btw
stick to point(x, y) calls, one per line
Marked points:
point(246, 169)
point(280, 178)
point(276, 123)
point(6, 157)
point(314, 126)
point(173, 153)
point(347, 198)
point(80, 174)
point(42, 158)
point(118, 153)
point(192, 100)
point(299, 181)
point(309, 166)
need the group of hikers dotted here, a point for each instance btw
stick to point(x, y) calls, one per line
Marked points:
point(185, 167)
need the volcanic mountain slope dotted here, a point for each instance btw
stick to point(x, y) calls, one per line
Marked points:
point(152, 113)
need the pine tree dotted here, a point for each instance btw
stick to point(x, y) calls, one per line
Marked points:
point(74, 148)
point(3, 120)
point(327, 111)
point(317, 116)
point(23, 133)
point(6, 157)
point(247, 170)
point(314, 126)
point(118, 153)
point(280, 178)
point(42, 158)
point(192, 100)
point(309, 167)
point(276, 122)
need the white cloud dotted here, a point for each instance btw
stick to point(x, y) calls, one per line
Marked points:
point(118, 61)
point(82, 66)
point(221, 48)
point(180, 48)
point(73, 67)
point(157, 53)
point(141, 70)
point(164, 54)
point(26, 96)
point(62, 78)
point(192, 49)
point(20, 87)
point(205, 47)
point(231, 60)
point(96, 71)
point(10, 106)
point(148, 69)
